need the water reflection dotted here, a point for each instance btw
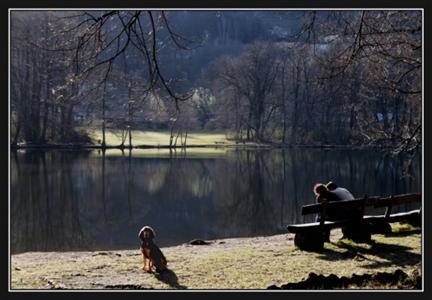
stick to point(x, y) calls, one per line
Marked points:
point(86, 200)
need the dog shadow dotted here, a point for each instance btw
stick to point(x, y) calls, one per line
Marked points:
point(169, 277)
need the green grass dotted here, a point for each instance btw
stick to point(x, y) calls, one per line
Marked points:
point(250, 263)
point(155, 138)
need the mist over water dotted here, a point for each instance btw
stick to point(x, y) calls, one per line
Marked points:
point(88, 200)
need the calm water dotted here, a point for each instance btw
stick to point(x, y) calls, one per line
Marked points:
point(87, 200)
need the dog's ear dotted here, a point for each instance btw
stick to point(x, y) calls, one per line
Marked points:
point(141, 234)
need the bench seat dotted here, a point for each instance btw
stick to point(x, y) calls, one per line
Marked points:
point(397, 217)
point(295, 228)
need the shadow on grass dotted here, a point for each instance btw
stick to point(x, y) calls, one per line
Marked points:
point(404, 233)
point(386, 254)
point(169, 277)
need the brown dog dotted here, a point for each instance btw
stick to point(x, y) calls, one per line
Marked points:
point(153, 256)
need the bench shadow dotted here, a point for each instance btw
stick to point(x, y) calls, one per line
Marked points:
point(389, 254)
point(404, 233)
point(169, 277)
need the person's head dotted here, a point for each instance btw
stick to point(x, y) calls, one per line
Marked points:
point(319, 189)
point(331, 186)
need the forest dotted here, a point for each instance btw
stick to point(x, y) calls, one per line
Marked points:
point(274, 77)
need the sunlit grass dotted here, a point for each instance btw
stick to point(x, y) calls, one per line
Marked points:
point(402, 227)
point(159, 138)
point(250, 263)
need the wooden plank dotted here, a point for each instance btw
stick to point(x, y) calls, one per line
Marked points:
point(396, 217)
point(398, 200)
point(374, 201)
point(371, 201)
point(311, 209)
point(403, 216)
point(343, 204)
point(294, 228)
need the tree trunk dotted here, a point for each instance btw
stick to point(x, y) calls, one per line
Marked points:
point(130, 114)
point(35, 99)
point(284, 129)
point(103, 116)
point(46, 106)
point(295, 112)
point(17, 132)
point(69, 123)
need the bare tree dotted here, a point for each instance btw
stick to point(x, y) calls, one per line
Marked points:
point(252, 76)
point(86, 45)
point(103, 36)
point(387, 45)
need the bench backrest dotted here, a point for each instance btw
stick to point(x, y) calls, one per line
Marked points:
point(357, 206)
point(343, 204)
point(398, 200)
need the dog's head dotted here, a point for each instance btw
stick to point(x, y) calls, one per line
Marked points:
point(146, 233)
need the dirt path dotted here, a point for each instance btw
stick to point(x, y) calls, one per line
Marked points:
point(241, 263)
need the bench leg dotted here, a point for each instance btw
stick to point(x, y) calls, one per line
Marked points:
point(357, 233)
point(415, 220)
point(310, 241)
point(380, 228)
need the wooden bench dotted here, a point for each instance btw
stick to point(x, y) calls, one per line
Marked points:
point(350, 216)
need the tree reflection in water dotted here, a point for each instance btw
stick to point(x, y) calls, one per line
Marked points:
point(85, 200)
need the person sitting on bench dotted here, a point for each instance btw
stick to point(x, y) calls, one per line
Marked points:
point(323, 194)
point(341, 192)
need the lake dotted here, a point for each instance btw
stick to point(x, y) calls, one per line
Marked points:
point(90, 200)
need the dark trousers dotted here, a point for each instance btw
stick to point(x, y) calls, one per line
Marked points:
point(326, 234)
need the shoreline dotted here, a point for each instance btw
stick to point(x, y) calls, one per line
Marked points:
point(241, 146)
point(234, 263)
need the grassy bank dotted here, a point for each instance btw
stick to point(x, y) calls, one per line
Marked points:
point(160, 138)
point(241, 263)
